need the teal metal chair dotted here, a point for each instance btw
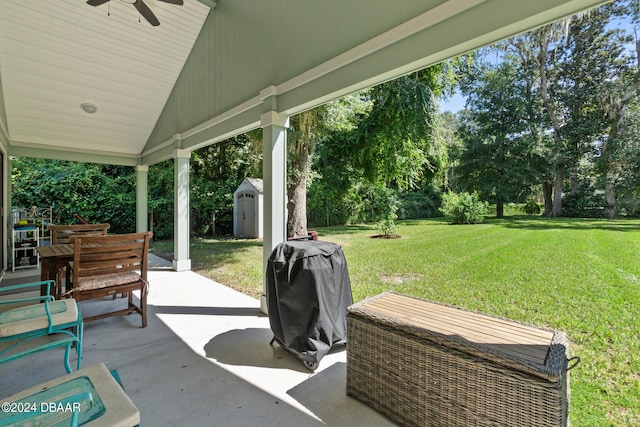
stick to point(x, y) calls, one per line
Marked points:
point(37, 316)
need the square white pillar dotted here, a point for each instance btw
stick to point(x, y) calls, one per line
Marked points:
point(181, 232)
point(142, 195)
point(274, 177)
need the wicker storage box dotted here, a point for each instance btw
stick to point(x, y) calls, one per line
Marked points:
point(428, 364)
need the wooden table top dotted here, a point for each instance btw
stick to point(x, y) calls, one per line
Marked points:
point(55, 250)
point(504, 336)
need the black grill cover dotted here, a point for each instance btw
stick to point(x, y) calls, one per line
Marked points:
point(308, 292)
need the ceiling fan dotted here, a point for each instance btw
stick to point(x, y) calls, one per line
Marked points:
point(141, 6)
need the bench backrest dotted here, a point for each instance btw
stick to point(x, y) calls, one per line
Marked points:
point(118, 253)
point(61, 234)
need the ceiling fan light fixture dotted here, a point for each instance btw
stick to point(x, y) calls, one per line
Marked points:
point(88, 108)
point(141, 6)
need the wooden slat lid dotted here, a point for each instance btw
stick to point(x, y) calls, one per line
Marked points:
point(500, 340)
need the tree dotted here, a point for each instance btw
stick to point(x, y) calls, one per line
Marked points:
point(216, 172)
point(392, 141)
point(500, 159)
point(574, 61)
point(449, 145)
point(160, 200)
point(394, 149)
point(384, 135)
point(534, 48)
point(307, 128)
point(601, 77)
point(624, 157)
point(99, 193)
point(615, 97)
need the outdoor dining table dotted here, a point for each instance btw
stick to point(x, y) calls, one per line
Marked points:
point(53, 257)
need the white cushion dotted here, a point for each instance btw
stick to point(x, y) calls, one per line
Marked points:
point(33, 317)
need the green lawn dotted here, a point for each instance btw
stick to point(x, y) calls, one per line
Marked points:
point(578, 276)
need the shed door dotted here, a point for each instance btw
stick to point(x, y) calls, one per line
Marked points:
point(249, 219)
point(240, 213)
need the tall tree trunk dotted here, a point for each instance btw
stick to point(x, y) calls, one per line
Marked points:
point(616, 113)
point(574, 184)
point(543, 39)
point(300, 156)
point(558, 187)
point(610, 195)
point(610, 198)
point(500, 209)
point(297, 205)
point(547, 194)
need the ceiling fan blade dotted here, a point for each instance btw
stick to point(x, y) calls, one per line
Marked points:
point(96, 2)
point(146, 12)
point(178, 2)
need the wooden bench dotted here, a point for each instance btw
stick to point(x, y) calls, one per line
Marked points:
point(429, 364)
point(108, 266)
point(61, 234)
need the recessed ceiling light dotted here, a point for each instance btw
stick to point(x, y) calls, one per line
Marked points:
point(129, 1)
point(89, 108)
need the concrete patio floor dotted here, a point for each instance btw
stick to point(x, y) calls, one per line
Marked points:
point(203, 360)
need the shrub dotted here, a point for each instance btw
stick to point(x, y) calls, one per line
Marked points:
point(629, 206)
point(419, 203)
point(388, 225)
point(585, 202)
point(465, 208)
point(531, 208)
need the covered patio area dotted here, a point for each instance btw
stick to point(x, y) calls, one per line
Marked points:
point(212, 70)
point(83, 82)
point(201, 364)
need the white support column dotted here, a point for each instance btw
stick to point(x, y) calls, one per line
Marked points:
point(274, 176)
point(181, 231)
point(142, 194)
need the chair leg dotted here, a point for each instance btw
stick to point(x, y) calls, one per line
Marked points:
point(143, 303)
point(67, 351)
point(60, 279)
point(79, 333)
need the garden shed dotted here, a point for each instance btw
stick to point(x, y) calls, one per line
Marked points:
point(247, 209)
